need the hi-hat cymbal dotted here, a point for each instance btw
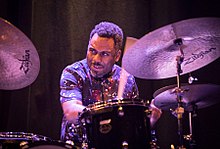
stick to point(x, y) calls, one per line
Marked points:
point(154, 55)
point(200, 95)
point(19, 60)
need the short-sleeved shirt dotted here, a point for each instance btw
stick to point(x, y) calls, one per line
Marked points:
point(77, 83)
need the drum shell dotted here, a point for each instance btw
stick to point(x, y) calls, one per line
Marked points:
point(111, 126)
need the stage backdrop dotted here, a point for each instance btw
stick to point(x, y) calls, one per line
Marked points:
point(59, 29)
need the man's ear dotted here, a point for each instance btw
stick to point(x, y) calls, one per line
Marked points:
point(117, 56)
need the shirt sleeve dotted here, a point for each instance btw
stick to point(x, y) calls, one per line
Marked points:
point(70, 85)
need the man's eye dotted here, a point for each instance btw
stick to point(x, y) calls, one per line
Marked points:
point(105, 54)
point(93, 51)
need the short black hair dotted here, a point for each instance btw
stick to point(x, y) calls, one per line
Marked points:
point(109, 30)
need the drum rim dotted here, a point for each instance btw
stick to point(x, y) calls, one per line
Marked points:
point(10, 135)
point(48, 143)
point(116, 102)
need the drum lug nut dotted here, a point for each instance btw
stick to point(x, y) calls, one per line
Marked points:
point(148, 112)
point(124, 145)
point(120, 111)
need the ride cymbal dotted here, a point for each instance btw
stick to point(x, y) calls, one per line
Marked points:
point(199, 95)
point(154, 55)
point(19, 60)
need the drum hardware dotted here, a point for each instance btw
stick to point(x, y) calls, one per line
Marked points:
point(178, 91)
point(85, 144)
point(191, 79)
point(84, 139)
point(190, 136)
point(22, 140)
point(120, 111)
point(125, 145)
point(152, 57)
point(153, 142)
point(194, 97)
point(48, 145)
point(148, 112)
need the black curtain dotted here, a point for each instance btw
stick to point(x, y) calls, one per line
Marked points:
point(60, 30)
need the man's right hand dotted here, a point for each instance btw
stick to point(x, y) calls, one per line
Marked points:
point(71, 109)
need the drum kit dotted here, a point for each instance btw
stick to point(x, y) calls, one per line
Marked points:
point(171, 51)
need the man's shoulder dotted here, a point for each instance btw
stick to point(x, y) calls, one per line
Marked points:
point(77, 65)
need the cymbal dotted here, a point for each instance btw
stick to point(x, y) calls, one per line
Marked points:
point(129, 42)
point(200, 95)
point(154, 55)
point(19, 60)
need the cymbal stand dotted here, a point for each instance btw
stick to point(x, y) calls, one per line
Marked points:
point(190, 136)
point(179, 110)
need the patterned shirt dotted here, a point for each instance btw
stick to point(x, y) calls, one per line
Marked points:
point(77, 83)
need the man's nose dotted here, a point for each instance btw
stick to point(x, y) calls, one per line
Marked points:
point(97, 58)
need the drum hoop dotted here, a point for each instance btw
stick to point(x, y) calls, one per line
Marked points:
point(48, 143)
point(22, 136)
point(116, 102)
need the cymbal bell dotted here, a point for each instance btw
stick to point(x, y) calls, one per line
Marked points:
point(199, 95)
point(19, 60)
point(154, 55)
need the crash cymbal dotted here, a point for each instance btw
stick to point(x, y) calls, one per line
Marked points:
point(154, 55)
point(201, 95)
point(19, 60)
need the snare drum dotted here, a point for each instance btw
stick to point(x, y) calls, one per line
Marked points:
point(48, 145)
point(117, 124)
point(14, 140)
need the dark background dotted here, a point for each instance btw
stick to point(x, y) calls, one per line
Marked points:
point(59, 29)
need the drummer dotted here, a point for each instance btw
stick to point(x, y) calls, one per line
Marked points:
point(96, 78)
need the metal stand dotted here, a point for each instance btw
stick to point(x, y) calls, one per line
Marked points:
point(179, 110)
point(190, 136)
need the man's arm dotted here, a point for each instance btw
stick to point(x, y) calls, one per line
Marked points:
point(71, 110)
point(155, 114)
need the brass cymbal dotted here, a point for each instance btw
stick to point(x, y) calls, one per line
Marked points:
point(200, 95)
point(154, 55)
point(129, 42)
point(19, 60)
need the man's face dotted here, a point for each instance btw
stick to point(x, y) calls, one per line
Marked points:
point(101, 55)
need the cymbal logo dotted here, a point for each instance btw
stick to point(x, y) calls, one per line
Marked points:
point(196, 56)
point(25, 65)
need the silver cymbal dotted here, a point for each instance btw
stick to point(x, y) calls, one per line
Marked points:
point(200, 95)
point(19, 60)
point(154, 55)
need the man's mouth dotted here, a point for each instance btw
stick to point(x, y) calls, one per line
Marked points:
point(97, 67)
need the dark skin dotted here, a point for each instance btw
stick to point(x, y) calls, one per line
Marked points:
point(101, 55)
